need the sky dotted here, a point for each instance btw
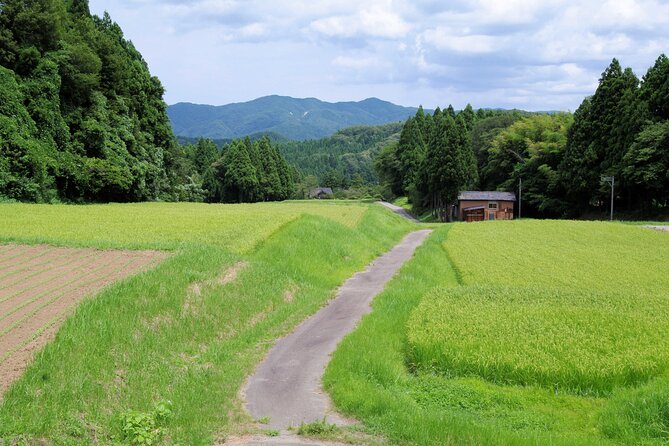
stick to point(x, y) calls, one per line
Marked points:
point(528, 54)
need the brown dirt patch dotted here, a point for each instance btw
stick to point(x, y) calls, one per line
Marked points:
point(230, 275)
point(192, 302)
point(290, 292)
point(41, 285)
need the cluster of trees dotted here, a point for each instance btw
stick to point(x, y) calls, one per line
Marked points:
point(242, 171)
point(434, 158)
point(621, 131)
point(81, 118)
point(250, 172)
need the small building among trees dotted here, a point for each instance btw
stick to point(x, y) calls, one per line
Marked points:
point(484, 205)
point(321, 193)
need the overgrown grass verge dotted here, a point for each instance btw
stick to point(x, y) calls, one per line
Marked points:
point(547, 333)
point(188, 331)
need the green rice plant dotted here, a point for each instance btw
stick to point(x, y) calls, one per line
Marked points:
point(580, 341)
point(524, 332)
point(368, 378)
point(595, 256)
point(187, 331)
point(235, 227)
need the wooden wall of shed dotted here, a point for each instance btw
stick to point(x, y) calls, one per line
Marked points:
point(499, 214)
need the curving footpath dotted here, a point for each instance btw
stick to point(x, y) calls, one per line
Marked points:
point(286, 387)
point(399, 210)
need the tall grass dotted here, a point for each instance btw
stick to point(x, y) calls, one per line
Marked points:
point(188, 331)
point(536, 333)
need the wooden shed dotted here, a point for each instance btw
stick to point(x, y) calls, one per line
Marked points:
point(485, 205)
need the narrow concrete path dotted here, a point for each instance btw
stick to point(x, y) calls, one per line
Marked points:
point(286, 387)
point(399, 210)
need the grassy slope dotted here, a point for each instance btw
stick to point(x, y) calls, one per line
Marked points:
point(369, 376)
point(152, 337)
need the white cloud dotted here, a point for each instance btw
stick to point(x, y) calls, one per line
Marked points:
point(541, 54)
point(445, 39)
point(376, 21)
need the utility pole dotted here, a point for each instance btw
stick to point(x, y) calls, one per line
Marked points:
point(612, 181)
point(520, 199)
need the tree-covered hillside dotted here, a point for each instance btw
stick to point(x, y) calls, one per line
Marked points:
point(296, 119)
point(343, 159)
point(81, 117)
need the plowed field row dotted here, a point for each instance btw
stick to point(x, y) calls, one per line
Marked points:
point(40, 285)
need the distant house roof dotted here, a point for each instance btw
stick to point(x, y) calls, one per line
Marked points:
point(474, 208)
point(315, 192)
point(487, 196)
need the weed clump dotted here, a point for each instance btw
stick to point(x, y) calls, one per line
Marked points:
point(145, 428)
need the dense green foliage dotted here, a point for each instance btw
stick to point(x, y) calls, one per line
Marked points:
point(81, 118)
point(554, 340)
point(249, 172)
point(295, 119)
point(434, 159)
point(344, 159)
point(178, 332)
point(621, 131)
point(531, 149)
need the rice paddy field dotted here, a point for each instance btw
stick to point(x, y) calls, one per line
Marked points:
point(159, 356)
point(518, 332)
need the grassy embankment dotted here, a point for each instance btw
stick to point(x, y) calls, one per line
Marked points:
point(532, 332)
point(190, 330)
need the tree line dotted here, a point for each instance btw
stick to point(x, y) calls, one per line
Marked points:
point(242, 171)
point(82, 119)
point(622, 130)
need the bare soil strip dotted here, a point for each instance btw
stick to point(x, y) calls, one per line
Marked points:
point(36, 264)
point(286, 387)
point(48, 275)
point(18, 256)
point(45, 286)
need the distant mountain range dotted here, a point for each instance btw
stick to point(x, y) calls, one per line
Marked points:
point(295, 119)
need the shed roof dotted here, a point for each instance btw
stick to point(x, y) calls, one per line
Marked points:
point(320, 190)
point(486, 196)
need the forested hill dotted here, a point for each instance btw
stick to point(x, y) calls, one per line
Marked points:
point(296, 119)
point(344, 158)
point(81, 117)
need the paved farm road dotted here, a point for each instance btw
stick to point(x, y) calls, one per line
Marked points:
point(399, 210)
point(286, 387)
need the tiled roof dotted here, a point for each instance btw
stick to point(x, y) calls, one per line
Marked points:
point(487, 196)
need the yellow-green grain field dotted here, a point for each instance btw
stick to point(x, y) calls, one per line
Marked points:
point(518, 332)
